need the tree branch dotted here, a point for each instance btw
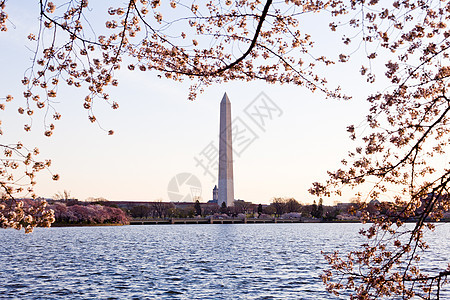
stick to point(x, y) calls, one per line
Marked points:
point(252, 44)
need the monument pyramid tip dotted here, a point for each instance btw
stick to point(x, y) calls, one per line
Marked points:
point(225, 98)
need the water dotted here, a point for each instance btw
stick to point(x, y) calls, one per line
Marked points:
point(241, 261)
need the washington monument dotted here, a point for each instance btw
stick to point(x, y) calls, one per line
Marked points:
point(226, 186)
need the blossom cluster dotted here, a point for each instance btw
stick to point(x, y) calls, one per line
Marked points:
point(88, 214)
point(26, 213)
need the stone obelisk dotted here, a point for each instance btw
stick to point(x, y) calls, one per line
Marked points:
point(226, 185)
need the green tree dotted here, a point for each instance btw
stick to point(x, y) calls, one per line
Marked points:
point(320, 209)
point(223, 208)
point(161, 209)
point(242, 207)
point(292, 205)
point(260, 209)
point(331, 214)
point(269, 210)
point(140, 211)
point(280, 206)
point(198, 208)
point(314, 211)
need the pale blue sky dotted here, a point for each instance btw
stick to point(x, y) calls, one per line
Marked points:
point(158, 131)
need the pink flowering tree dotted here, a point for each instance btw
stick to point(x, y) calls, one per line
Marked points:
point(88, 214)
point(405, 43)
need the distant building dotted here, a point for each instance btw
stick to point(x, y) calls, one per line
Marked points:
point(344, 206)
point(215, 194)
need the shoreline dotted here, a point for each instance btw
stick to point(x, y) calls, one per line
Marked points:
point(188, 221)
point(84, 225)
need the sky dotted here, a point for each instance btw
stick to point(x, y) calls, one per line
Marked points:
point(159, 133)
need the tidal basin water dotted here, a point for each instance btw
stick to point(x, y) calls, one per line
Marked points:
point(241, 261)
